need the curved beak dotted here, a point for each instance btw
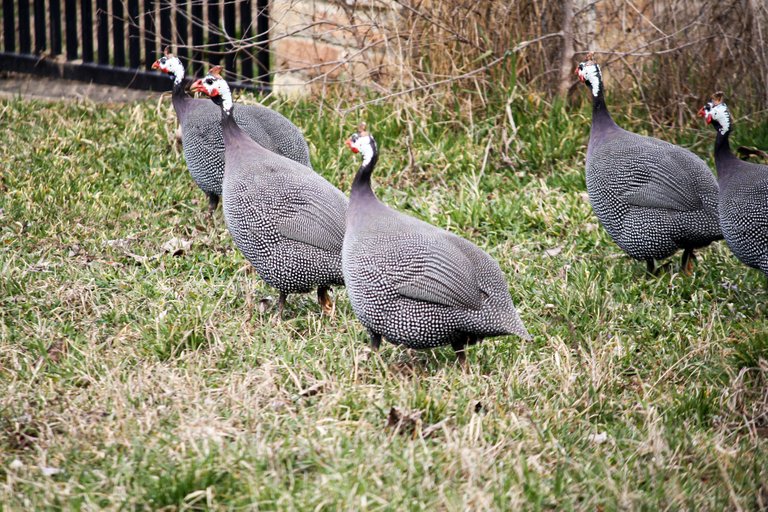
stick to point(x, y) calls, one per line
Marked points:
point(702, 112)
point(156, 65)
point(348, 142)
point(197, 86)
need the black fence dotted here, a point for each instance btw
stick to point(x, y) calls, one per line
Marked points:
point(52, 39)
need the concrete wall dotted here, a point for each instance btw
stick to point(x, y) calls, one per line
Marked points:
point(316, 42)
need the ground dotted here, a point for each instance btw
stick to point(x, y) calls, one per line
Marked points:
point(141, 369)
point(14, 85)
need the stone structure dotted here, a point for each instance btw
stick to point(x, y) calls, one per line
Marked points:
point(317, 42)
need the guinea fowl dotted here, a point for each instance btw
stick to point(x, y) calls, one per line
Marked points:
point(652, 197)
point(201, 132)
point(414, 284)
point(743, 193)
point(285, 218)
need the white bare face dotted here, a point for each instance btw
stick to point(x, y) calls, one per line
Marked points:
point(215, 86)
point(589, 73)
point(362, 144)
point(720, 114)
point(172, 65)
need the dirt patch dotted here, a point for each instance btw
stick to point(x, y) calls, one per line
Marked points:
point(38, 87)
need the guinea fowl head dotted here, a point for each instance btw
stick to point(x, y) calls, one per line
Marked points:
point(171, 65)
point(589, 72)
point(216, 88)
point(362, 142)
point(716, 112)
point(704, 111)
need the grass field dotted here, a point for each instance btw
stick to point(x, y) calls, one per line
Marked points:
point(140, 369)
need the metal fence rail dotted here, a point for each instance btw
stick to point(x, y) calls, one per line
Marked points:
point(202, 31)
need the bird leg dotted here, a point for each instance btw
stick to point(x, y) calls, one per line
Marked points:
point(650, 267)
point(375, 341)
point(460, 347)
point(280, 306)
point(689, 258)
point(213, 202)
point(325, 300)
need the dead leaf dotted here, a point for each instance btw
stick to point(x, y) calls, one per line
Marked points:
point(57, 350)
point(40, 266)
point(119, 243)
point(265, 304)
point(49, 471)
point(410, 423)
point(427, 432)
point(554, 251)
point(313, 389)
point(404, 422)
point(177, 246)
point(141, 259)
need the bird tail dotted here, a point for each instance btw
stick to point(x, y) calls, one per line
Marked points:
point(515, 326)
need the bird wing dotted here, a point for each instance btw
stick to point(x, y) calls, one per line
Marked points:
point(663, 194)
point(433, 269)
point(316, 217)
point(666, 184)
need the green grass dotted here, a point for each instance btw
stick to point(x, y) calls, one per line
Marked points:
point(155, 381)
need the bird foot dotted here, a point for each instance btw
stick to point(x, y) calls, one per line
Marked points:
point(280, 307)
point(213, 203)
point(689, 261)
point(461, 353)
point(324, 299)
point(461, 357)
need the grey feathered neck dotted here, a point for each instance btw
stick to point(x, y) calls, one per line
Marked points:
point(361, 185)
point(726, 162)
point(180, 99)
point(601, 118)
point(234, 136)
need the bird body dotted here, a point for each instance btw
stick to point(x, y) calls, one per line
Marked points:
point(647, 210)
point(203, 143)
point(202, 139)
point(415, 284)
point(652, 197)
point(743, 202)
point(286, 219)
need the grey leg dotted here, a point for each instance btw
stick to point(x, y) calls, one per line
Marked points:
point(689, 258)
point(213, 202)
point(324, 300)
point(281, 306)
point(375, 341)
point(460, 347)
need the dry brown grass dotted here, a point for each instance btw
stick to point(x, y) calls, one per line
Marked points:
point(135, 377)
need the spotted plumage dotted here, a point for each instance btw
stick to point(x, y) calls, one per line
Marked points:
point(414, 284)
point(652, 197)
point(201, 136)
point(743, 204)
point(287, 220)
